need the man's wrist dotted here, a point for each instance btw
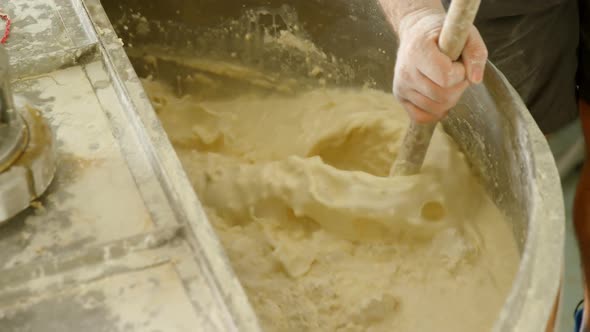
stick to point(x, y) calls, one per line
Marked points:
point(408, 10)
point(408, 21)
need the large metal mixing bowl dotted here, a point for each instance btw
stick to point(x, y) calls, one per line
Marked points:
point(491, 124)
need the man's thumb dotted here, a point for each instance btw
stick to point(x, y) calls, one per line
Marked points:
point(474, 56)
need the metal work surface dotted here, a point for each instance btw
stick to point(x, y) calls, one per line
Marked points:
point(47, 35)
point(108, 247)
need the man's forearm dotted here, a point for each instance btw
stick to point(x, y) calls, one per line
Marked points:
point(397, 10)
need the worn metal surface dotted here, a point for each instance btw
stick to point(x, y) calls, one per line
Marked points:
point(505, 146)
point(490, 124)
point(119, 241)
point(47, 35)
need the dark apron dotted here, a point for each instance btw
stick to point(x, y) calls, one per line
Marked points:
point(534, 43)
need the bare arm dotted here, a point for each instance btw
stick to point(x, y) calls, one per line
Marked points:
point(397, 10)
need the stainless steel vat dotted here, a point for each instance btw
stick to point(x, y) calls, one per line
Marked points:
point(491, 124)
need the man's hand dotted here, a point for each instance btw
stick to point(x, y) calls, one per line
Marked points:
point(426, 82)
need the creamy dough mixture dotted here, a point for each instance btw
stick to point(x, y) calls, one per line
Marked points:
point(320, 237)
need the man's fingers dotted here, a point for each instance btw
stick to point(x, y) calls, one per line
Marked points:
point(437, 93)
point(426, 104)
point(439, 68)
point(457, 74)
point(417, 114)
point(474, 56)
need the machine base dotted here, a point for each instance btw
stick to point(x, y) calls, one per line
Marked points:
point(29, 175)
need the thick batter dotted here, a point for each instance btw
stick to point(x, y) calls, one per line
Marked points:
point(320, 237)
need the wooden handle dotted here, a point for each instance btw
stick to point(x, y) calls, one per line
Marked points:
point(413, 149)
point(455, 29)
point(451, 42)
